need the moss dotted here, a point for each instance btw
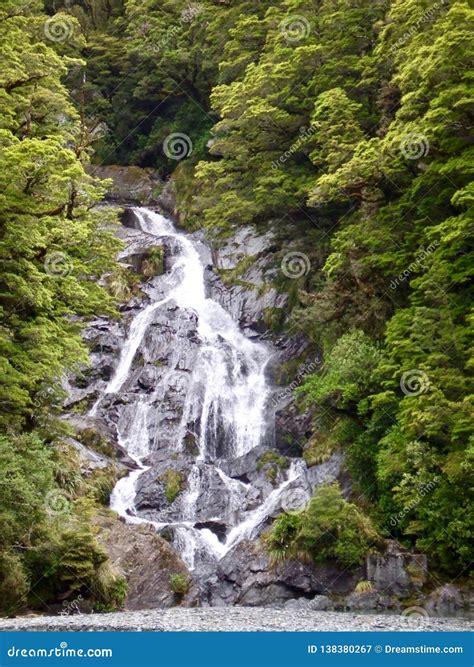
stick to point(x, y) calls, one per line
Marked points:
point(234, 276)
point(272, 462)
point(180, 583)
point(122, 284)
point(364, 587)
point(274, 318)
point(81, 407)
point(328, 439)
point(109, 589)
point(153, 263)
point(102, 482)
point(416, 574)
point(318, 450)
point(273, 458)
point(174, 482)
point(92, 439)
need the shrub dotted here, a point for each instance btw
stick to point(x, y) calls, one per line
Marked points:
point(328, 529)
point(14, 584)
point(347, 374)
point(109, 588)
point(364, 587)
point(153, 264)
point(180, 583)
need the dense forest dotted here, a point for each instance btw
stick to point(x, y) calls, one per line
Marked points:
point(343, 124)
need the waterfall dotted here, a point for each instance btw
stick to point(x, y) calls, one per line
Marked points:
point(226, 398)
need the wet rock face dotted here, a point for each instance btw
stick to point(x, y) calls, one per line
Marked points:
point(247, 265)
point(131, 185)
point(148, 562)
point(245, 576)
point(397, 571)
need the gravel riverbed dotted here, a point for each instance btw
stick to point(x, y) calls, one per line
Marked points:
point(234, 619)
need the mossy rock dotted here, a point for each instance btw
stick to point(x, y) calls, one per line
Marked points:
point(93, 439)
point(272, 463)
point(174, 482)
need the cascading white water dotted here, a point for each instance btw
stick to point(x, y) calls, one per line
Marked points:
point(226, 396)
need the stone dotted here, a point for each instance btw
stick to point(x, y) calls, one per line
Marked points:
point(147, 561)
point(246, 576)
point(130, 185)
point(447, 600)
point(397, 571)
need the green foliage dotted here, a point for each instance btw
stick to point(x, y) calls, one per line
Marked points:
point(109, 589)
point(153, 264)
point(180, 583)
point(348, 372)
point(359, 128)
point(272, 458)
point(364, 586)
point(174, 482)
point(328, 529)
point(53, 245)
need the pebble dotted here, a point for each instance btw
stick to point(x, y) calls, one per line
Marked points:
point(234, 619)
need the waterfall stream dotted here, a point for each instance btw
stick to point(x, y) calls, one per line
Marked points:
point(226, 399)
